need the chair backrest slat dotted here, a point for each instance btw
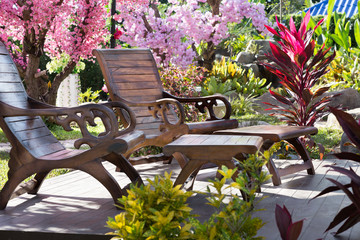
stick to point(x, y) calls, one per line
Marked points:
point(133, 75)
point(30, 132)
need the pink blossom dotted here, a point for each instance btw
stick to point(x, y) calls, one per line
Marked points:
point(117, 34)
point(74, 27)
point(104, 88)
point(183, 26)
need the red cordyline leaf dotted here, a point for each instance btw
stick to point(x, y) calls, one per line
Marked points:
point(292, 26)
point(304, 23)
point(282, 28)
point(350, 173)
point(319, 23)
point(351, 221)
point(348, 124)
point(329, 190)
point(345, 190)
point(348, 155)
point(288, 230)
point(341, 216)
point(320, 91)
point(280, 98)
point(273, 31)
point(283, 220)
point(295, 230)
point(309, 50)
point(279, 54)
point(286, 69)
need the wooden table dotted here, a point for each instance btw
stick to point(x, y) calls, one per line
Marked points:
point(216, 149)
point(276, 133)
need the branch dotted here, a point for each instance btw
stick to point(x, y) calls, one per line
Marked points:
point(41, 74)
point(156, 10)
point(146, 23)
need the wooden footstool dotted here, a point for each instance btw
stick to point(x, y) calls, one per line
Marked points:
point(216, 149)
point(276, 133)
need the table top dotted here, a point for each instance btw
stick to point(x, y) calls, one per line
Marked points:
point(274, 133)
point(220, 147)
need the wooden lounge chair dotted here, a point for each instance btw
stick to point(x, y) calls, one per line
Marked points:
point(132, 77)
point(36, 151)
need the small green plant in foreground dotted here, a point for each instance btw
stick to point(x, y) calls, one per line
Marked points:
point(155, 211)
point(159, 210)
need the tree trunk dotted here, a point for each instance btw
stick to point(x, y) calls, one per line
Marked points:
point(35, 87)
point(208, 56)
point(209, 53)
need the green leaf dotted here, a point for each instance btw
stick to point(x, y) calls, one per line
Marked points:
point(330, 9)
point(308, 3)
point(357, 30)
point(337, 39)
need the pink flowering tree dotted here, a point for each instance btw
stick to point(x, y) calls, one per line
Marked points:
point(186, 30)
point(31, 28)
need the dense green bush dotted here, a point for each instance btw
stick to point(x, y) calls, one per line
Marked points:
point(91, 77)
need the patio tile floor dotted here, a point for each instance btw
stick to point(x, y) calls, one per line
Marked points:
point(77, 205)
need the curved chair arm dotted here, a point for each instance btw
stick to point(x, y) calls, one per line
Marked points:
point(159, 109)
point(81, 115)
point(205, 102)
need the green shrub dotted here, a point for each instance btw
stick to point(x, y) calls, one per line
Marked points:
point(227, 77)
point(160, 211)
point(215, 87)
point(242, 105)
point(155, 211)
point(92, 78)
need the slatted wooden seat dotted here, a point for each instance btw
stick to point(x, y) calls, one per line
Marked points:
point(132, 77)
point(36, 151)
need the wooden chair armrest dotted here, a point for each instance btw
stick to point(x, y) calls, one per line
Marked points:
point(159, 109)
point(205, 102)
point(35, 104)
point(82, 115)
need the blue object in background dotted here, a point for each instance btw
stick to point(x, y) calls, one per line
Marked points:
point(341, 6)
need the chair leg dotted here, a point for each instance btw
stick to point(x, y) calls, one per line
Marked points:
point(304, 154)
point(39, 179)
point(122, 163)
point(97, 170)
point(17, 176)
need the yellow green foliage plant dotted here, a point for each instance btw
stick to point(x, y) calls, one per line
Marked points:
point(155, 211)
point(233, 218)
point(89, 96)
point(242, 105)
point(159, 210)
point(215, 87)
point(227, 77)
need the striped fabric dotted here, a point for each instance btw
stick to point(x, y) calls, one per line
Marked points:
point(341, 6)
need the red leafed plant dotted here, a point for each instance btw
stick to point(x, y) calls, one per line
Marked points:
point(288, 229)
point(298, 68)
point(350, 214)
